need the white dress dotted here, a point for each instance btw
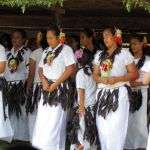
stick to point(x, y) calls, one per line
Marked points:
point(36, 56)
point(50, 126)
point(146, 68)
point(6, 132)
point(19, 125)
point(137, 129)
point(87, 83)
point(112, 129)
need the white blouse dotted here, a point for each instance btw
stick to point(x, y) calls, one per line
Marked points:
point(56, 69)
point(22, 71)
point(36, 56)
point(87, 83)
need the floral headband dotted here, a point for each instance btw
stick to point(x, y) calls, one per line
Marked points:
point(79, 54)
point(118, 36)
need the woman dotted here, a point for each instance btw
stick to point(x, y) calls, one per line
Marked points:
point(16, 74)
point(6, 132)
point(83, 133)
point(34, 83)
point(113, 69)
point(87, 41)
point(137, 129)
point(55, 71)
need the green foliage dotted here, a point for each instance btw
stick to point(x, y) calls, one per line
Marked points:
point(131, 4)
point(23, 4)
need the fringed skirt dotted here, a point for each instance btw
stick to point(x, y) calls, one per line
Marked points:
point(112, 117)
point(17, 110)
point(33, 98)
point(83, 129)
point(6, 132)
point(50, 127)
point(137, 129)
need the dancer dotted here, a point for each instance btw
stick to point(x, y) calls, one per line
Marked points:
point(113, 69)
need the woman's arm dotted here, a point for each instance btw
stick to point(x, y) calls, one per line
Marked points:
point(31, 75)
point(69, 71)
point(132, 75)
point(81, 93)
point(146, 79)
point(2, 66)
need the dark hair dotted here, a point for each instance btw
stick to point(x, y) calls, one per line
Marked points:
point(86, 62)
point(88, 32)
point(142, 59)
point(104, 55)
point(43, 43)
point(112, 30)
point(137, 37)
point(21, 32)
point(54, 29)
point(5, 40)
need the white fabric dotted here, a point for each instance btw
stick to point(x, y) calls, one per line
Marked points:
point(120, 62)
point(2, 56)
point(146, 67)
point(50, 127)
point(20, 126)
point(32, 118)
point(22, 71)
point(6, 132)
point(112, 130)
point(87, 83)
point(36, 56)
point(64, 59)
point(83, 142)
point(143, 69)
point(148, 145)
point(137, 129)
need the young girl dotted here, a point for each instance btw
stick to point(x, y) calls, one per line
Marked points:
point(34, 83)
point(113, 68)
point(137, 129)
point(16, 74)
point(83, 132)
point(56, 67)
point(6, 132)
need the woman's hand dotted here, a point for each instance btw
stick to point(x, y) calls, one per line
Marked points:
point(45, 84)
point(81, 110)
point(53, 87)
point(112, 80)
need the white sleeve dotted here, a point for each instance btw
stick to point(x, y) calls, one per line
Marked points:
point(80, 80)
point(2, 53)
point(41, 63)
point(68, 55)
point(33, 55)
point(127, 57)
point(146, 67)
point(96, 58)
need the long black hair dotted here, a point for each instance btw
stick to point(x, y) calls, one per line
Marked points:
point(90, 34)
point(142, 59)
point(104, 54)
point(86, 62)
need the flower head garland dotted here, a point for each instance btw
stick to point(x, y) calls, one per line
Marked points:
point(118, 37)
point(79, 54)
point(62, 37)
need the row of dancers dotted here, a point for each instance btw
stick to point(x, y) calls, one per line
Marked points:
point(95, 97)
